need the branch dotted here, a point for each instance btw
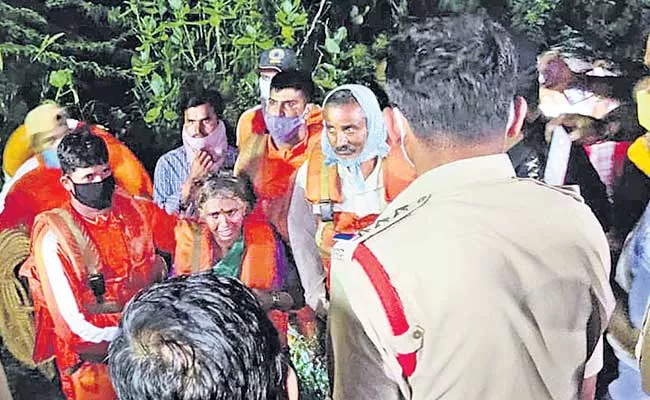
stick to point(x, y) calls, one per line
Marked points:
point(312, 27)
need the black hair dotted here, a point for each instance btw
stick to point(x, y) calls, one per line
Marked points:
point(453, 77)
point(526, 80)
point(198, 337)
point(293, 79)
point(81, 149)
point(196, 97)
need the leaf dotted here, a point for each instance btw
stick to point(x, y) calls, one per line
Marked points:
point(176, 4)
point(47, 41)
point(287, 32)
point(60, 78)
point(287, 7)
point(341, 34)
point(135, 61)
point(152, 115)
point(331, 46)
point(210, 65)
point(243, 41)
point(215, 20)
point(157, 84)
point(54, 38)
point(301, 20)
point(265, 44)
point(170, 115)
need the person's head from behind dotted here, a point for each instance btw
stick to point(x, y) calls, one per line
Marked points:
point(223, 203)
point(202, 110)
point(86, 174)
point(46, 125)
point(454, 79)
point(352, 116)
point(198, 337)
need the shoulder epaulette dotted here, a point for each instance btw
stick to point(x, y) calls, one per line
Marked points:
point(385, 221)
point(566, 190)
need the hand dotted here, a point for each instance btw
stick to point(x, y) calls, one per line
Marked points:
point(201, 165)
point(265, 297)
point(582, 129)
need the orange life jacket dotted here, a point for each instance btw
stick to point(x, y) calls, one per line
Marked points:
point(324, 189)
point(145, 267)
point(195, 251)
point(127, 168)
point(271, 171)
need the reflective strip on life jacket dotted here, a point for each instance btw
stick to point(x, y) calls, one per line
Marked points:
point(196, 248)
point(83, 245)
point(251, 154)
point(390, 301)
point(84, 255)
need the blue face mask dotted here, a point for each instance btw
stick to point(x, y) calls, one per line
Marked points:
point(283, 129)
point(50, 158)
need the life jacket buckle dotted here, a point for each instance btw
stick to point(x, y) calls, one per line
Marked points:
point(97, 284)
point(326, 211)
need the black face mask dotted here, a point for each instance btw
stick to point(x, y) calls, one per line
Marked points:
point(97, 195)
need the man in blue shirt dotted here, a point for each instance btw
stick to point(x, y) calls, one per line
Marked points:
point(205, 149)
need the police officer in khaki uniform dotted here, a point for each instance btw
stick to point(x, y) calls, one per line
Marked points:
point(472, 284)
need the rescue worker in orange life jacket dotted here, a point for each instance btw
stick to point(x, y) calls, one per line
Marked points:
point(89, 256)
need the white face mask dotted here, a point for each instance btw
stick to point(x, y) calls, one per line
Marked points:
point(399, 118)
point(264, 83)
point(215, 143)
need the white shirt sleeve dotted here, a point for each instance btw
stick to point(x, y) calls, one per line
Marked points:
point(65, 300)
point(595, 362)
point(302, 238)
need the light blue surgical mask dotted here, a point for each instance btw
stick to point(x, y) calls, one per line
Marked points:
point(50, 158)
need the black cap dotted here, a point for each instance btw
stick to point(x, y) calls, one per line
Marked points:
point(278, 59)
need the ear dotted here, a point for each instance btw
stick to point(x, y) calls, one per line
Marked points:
point(391, 126)
point(516, 122)
point(67, 183)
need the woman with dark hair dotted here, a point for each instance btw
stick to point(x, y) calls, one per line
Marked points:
point(237, 245)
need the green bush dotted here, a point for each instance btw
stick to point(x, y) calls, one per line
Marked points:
point(123, 63)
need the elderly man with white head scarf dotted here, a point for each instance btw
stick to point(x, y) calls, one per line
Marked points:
point(344, 185)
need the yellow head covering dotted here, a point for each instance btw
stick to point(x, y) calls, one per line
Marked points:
point(18, 149)
point(41, 121)
point(31, 137)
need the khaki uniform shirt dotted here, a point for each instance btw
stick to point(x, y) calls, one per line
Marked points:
point(504, 282)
